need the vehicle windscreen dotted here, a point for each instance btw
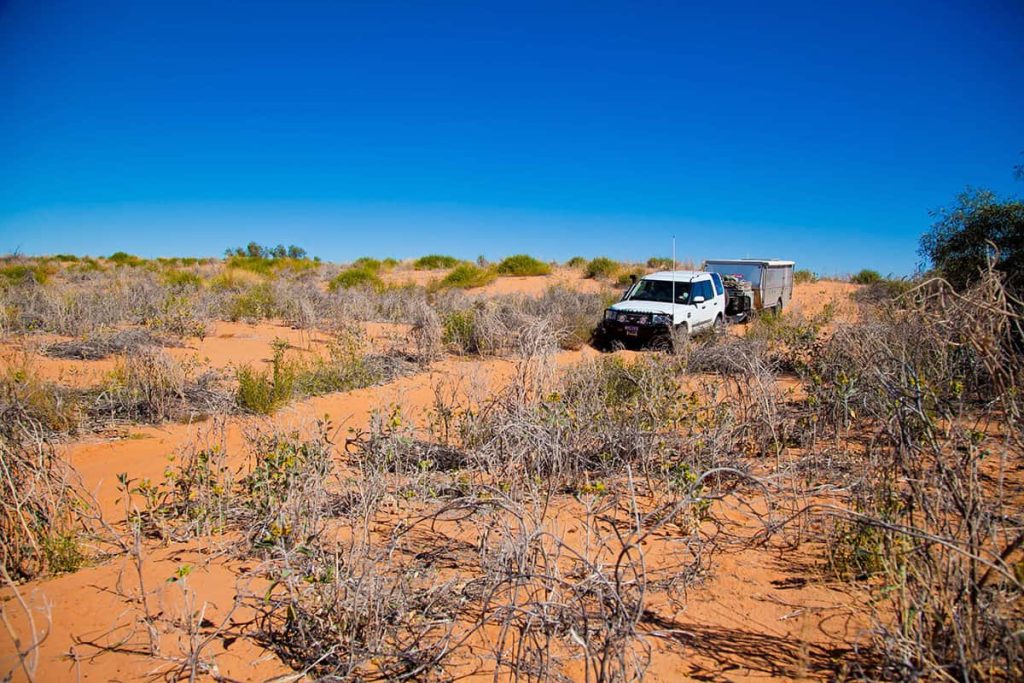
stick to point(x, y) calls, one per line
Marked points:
point(741, 271)
point(659, 290)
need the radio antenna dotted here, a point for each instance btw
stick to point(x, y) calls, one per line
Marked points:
point(672, 327)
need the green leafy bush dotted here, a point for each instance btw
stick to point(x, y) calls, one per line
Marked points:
point(801, 277)
point(602, 267)
point(182, 279)
point(626, 275)
point(467, 276)
point(435, 262)
point(660, 262)
point(576, 262)
point(255, 303)
point(20, 273)
point(253, 264)
point(866, 277)
point(459, 331)
point(355, 277)
point(523, 265)
point(123, 258)
point(263, 391)
point(367, 263)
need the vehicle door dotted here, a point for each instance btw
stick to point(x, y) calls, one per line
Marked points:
point(703, 297)
point(720, 299)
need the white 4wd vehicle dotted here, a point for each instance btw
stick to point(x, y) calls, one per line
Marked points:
point(648, 312)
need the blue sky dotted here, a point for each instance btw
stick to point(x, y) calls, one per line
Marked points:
point(824, 132)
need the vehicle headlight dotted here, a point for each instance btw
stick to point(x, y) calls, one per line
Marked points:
point(623, 318)
point(662, 319)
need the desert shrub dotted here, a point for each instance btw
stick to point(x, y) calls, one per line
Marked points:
point(178, 314)
point(263, 391)
point(234, 279)
point(885, 290)
point(271, 265)
point(29, 402)
point(435, 262)
point(523, 264)
point(66, 258)
point(253, 304)
point(43, 512)
point(150, 386)
point(571, 315)
point(600, 417)
point(660, 263)
point(252, 264)
point(626, 276)
point(122, 258)
point(83, 302)
point(355, 277)
point(601, 267)
point(466, 276)
point(427, 333)
point(345, 368)
point(103, 344)
point(801, 277)
point(22, 273)
point(87, 265)
point(285, 493)
point(866, 277)
point(368, 263)
point(920, 511)
point(182, 279)
point(576, 262)
point(372, 618)
point(459, 331)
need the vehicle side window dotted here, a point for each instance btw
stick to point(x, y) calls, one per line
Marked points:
point(703, 288)
point(717, 279)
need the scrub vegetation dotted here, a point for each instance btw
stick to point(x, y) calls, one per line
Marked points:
point(487, 495)
point(523, 264)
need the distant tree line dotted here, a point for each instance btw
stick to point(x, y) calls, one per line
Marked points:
point(254, 250)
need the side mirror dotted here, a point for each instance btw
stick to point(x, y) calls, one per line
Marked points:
point(698, 300)
point(632, 278)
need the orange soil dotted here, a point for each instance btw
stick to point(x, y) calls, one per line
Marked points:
point(811, 298)
point(763, 613)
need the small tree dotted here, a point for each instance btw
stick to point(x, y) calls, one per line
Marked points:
point(977, 228)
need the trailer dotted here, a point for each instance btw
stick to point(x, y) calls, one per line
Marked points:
point(754, 285)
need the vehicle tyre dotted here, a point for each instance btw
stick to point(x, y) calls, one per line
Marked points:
point(664, 342)
point(719, 327)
